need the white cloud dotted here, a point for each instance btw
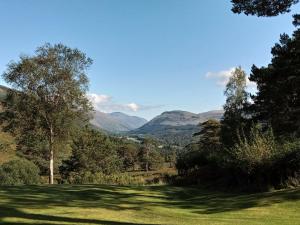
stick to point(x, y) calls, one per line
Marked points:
point(222, 77)
point(133, 106)
point(106, 104)
point(98, 99)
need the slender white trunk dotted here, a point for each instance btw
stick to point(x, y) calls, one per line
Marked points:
point(51, 167)
point(51, 157)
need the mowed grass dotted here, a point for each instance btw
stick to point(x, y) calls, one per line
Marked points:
point(118, 205)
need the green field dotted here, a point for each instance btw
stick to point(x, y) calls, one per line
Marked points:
point(115, 205)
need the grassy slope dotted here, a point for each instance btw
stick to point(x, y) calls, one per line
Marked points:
point(115, 205)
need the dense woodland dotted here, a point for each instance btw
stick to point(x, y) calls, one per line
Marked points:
point(256, 144)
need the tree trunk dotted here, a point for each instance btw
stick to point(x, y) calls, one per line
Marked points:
point(147, 157)
point(51, 167)
point(51, 157)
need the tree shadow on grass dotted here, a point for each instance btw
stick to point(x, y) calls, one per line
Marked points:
point(202, 201)
point(120, 198)
point(7, 212)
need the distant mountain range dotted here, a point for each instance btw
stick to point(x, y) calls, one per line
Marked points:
point(176, 127)
point(116, 122)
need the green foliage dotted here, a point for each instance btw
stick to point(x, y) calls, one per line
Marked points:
point(169, 153)
point(207, 150)
point(286, 167)
point(34, 147)
point(92, 151)
point(88, 177)
point(255, 152)
point(129, 155)
point(48, 96)
point(209, 136)
point(149, 156)
point(234, 115)
point(19, 172)
point(278, 98)
point(262, 7)
point(7, 147)
point(256, 162)
point(260, 161)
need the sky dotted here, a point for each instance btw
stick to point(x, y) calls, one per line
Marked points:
point(149, 56)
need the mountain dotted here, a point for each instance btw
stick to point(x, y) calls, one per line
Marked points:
point(176, 127)
point(131, 122)
point(116, 122)
point(3, 92)
point(112, 122)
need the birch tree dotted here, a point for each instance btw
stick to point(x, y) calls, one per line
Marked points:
point(47, 95)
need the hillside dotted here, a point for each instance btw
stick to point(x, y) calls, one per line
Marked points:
point(116, 122)
point(130, 122)
point(176, 127)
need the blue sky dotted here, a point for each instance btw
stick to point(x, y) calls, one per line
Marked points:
point(149, 56)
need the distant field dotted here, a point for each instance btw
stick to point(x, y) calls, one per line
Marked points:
point(115, 205)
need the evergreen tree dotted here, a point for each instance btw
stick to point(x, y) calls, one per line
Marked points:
point(92, 152)
point(209, 136)
point(262, 7)
point(277, 102)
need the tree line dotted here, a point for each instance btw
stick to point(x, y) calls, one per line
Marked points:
point(47, 111)
point(256, 145)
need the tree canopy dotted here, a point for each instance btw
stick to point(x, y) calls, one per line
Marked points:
point(277, 102)
point(236, 98)
point(262, 7)
point(48, 94)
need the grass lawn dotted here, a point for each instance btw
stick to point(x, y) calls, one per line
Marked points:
point(116, 205)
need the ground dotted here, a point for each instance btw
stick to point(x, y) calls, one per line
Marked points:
point(117, 205)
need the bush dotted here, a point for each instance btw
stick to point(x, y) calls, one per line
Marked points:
point(19, 172)
point(252, 159)
point(88, 177)
point(286, 168)
point(256, 163)
point(260, 162)
point(254, 152)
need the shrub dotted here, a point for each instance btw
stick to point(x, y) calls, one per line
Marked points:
point(286, 168)
point(252, 159)
point(88, 177)
point(19, 172)
point(254, 152)
point(260, 162)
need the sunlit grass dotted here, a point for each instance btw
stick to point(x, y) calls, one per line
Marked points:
point(115, 205)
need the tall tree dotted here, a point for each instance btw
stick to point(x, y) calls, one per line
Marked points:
point(236, 98)
point(277, 102)
point(149, 157)
point(209, 136)
point(94, 152)
point(48, 94)
point(128, 152)
point(262, 7)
